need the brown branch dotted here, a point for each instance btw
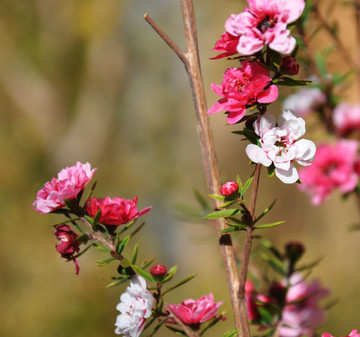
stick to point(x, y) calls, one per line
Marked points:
point(192, 65)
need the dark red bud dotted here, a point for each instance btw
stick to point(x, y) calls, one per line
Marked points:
point(294, 250)
point(158, 271)
point(290, 65)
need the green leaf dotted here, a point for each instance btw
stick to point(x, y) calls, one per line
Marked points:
point(310, 265)
point(223, 213)
point(266, 317)
point(271, 170)
point(268, 245)
point(231, 333)
point(117, 282)
point(134, 255)
point(105, 262)
point(170, 275)
point(246, 186)
point(266, 211)
point(227, 204)
point(217, 197)
point(211, 323)
point(232, 229)
point(202, 201)
point(276, 265)
point(176, 330)
point(142, 273)
point(101, 248)
point(65, 221)
point(269, 225)
point(120, 245)
point(238, 180)
point(177, 285)
point(147, 263)
point(290, 82)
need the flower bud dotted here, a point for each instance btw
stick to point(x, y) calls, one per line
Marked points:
point(294, 250)
point(229, 188)
point(158, 271)
point(290, 65)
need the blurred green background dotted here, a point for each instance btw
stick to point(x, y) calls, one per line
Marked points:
point(87, 80)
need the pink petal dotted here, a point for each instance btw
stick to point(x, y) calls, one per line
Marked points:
point(269, 95)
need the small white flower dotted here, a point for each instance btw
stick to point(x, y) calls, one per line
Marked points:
point(135, 307)
point(280, 145)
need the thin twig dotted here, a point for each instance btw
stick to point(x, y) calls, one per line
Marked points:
point(185, 328)
point(192, 65)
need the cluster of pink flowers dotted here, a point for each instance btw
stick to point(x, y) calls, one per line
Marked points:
point(116, 211)
point(263, 23)
point(135, 307)
point(301, 313)
point(335, 166)
point(69, 183)
point(346, 118)
point(193, 312)
point(241, 88)
point(280, 145)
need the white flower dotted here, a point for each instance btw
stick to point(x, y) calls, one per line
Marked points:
point(280, 145)
point(135, 307)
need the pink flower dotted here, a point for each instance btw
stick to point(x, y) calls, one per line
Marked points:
point(135, 307)
point(346, 118)
point(335, 166)
point(353, 333)
point(229, 188)
point(227, 44)
point(158, 271)
point(304, 101)
point(242, 87)
point(116, 211)
point(265, 23)
point(196, 311)
point(68, 245)
point(281, 146)
point(251, 299)
point(302, 314)
point(69, 183)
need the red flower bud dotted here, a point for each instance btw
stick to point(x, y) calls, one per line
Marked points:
point(229, 188)
point(294, 250)
point(290, 65)
point(68, 245)
point(158, 271)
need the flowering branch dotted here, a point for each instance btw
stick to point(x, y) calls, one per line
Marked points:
point(192, 66)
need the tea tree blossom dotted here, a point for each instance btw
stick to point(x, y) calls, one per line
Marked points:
point(135, 307)
point(193, 312)
point(303, 101)
point(69, 183)
point(242, 87)
point(280, 145)
point(263, 23)
point(68, 245)
point(229, 188)
point(335, 166)
point(346, 118)
point(302, 314)
point(353, 333)
point(116, 211)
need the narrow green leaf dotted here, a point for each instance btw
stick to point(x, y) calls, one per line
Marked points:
point(246, 186)
point(216, 197)
point(231, 333)
point(185, 280)
point(269, 225)
point(271, 170)
point(277, 266)
point(266, 317)
point(232, 229)
point(227, 204)
point(134, 255)
point(223, 213)
point(122, 244)
point(147, 263)
point(310, 265)
point(238, 180)
point(290, 82)
point(101, 248)
point(176, 330)
point(170, 275)
point(142, 273)
point(105, 262)
point(117, 282)
point(320, 63)
point(201, 200)
point(96, 218)
point(266, 211)
point(65, 221)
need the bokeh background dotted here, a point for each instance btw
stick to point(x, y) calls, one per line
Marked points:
point(88, 80)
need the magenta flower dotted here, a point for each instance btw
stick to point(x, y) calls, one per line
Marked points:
point(265, 23)
point(68, 245)
point(353, 333)
point(334, 166)
point(302, 313)
point(242, 87)
point(346, 118)
point(116, 211)
point(69, 183)
point(226, 44)
point(196, 311)
point(280, 145)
